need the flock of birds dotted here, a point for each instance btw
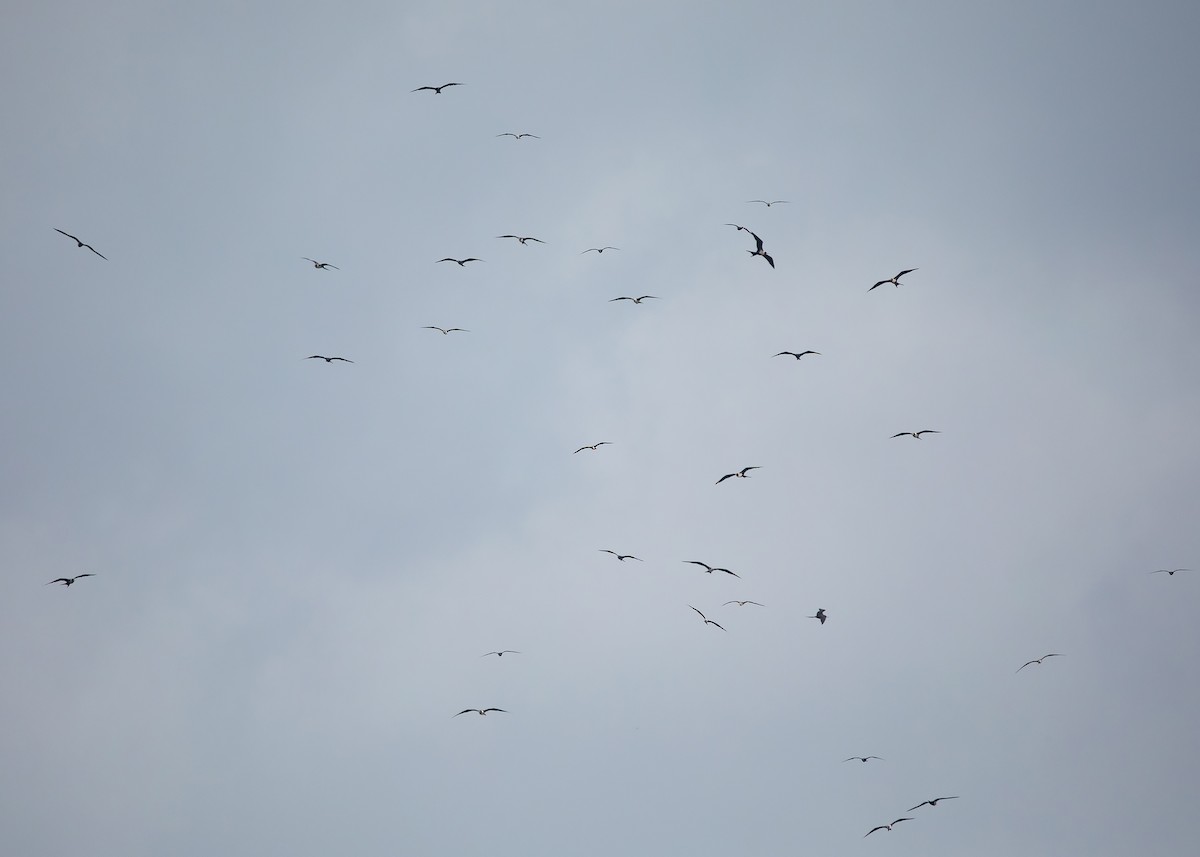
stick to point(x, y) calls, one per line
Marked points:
point(744, 473)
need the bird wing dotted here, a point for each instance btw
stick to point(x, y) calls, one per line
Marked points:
point(343, 359)
point(898, 820)
point(877, 285)
point(620, 299)
point(757, 241)
point(755, 467)
point(698, 562)
point(726, 476)
point(97, 252)
point(727, 571)
point(1027, 663)
point(606, 550)
point(447, 259)
point(65, 580)
point(650, 297)
point(89, 574)
point(465, 710)
point(486, 710)
point(418, 89)
point(702, 616)
point(711, 622)
point(68, 234)
point(902, 273)
point(926, 431)
point(789, 353)
point(918, 806)
point(873, 829)
point(902, 434)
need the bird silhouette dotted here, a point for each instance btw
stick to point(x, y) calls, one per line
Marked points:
point(916, 434)
point(820, 614)
point(711, 568)
point(320, 265)
point(437, 90)
point(895, 281)
point(636, 300)
point(518, 136)
point(621, 557)
point(1038, 660)
point(1170, 572)
point(328, 359)
point(932, 802)
point(480, 711)
point(759, 250)
point(741, 474)
point(885, 826)
point(767, 204)
point(592, 446)
point(862, 758)
point(445, 330)
point(523, 239)
point(459, 262)
point(599, 249)
point(707, 621)
point(67, 581)
point(743, 603)
point(79, 243)
point(796, 354)
point(499, 655)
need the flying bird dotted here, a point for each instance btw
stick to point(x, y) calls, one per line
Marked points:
point(767, 204)
point(743, 603)
point(320, 265)
point(711, 568)
point(795, 354)
point(518, 136)
point(445, 330)
point(637, 300)
point(437, 90)
point(862, 758)
point(459, 262)
point(820, 614)
point(499, 655)
point(67, 581)
point(933, 802)
point(480, 711)
point(1170, 572)
point(759, 251)
point(707, 621)
point(895, 281)
point(328, 359)
point(523, 238)
point(593, 446)
point(621, 557)
point(1039, 660)
point(916, 434)
point(885, 826)
point(737, 227)
point(599, 249)
point(79, 244)
point(741, 474)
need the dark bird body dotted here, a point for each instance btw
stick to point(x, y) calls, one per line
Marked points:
point(637, 300)
point(480, 711)
point(621, 557)
point(460, 262)
point(1170, 572)
point(895, 281)
point(437, 90)
point(79, 244)
point(499, 655)
point(320, 265)
point(916, 434)
point(862, 758)
point(707, 621)
point(592, 446)
point(741, 474)
point(885, 826)
point(710, 568)
point(759, 250)
point(523, 238)
point(327, 359)
point(796, 354)
point(820, 614)
point(932, 802)
point(67, 581)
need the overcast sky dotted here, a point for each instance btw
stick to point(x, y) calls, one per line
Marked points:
point(299, 564)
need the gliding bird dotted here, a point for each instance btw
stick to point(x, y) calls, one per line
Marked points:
point(1039, 660)
point(621, 557)
point(637, 300)
point(711, 568)
point(518, 136)
point(707, 621)
point(459, 262)
point(79, 243)
point(916, 434)
point(67, 581)
point(743, 603)
point(328, 359)
point(599, 249)
point(884, 826)
point(760, 251)
point(933, 802)
point(480, 711)
point(1170, 572)
point(795, 354)
point(593, 446)
point(741, 474)
point(862, 758)
point(499, 655)
point(764, 202)
point(445, 330)
point(895, 281)
point(321, 265)
point(820, 614)
point(437, 90)
point(523, 238)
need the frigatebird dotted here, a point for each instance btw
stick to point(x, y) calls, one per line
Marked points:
point(895, 281)
point(459, 262)
point(321, 265)
point(523, 238)
point(499, 655)
point(445, 330)
point(67, 581)
point(796, 354)
point(621, 557)
point(764, 202)
point(862, 758)
point(707, 621)
point(79, 243)
point(884, 826)
point(599, 249)
point(741, 474)
point(1170, 572)
point(637, 300)
point(327, 359)
point(437, 90)
point(743, 603)
point(593, 446)
point(759, 251)
point(480, 711)
point(1039, 660)
point(933, 802)
point(518, 136)
point(820, 614)
point(916, 434)
point(711, 568)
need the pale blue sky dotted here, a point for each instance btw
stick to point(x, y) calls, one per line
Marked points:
point(298, 565)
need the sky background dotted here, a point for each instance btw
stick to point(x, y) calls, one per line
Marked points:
point(299, 564)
